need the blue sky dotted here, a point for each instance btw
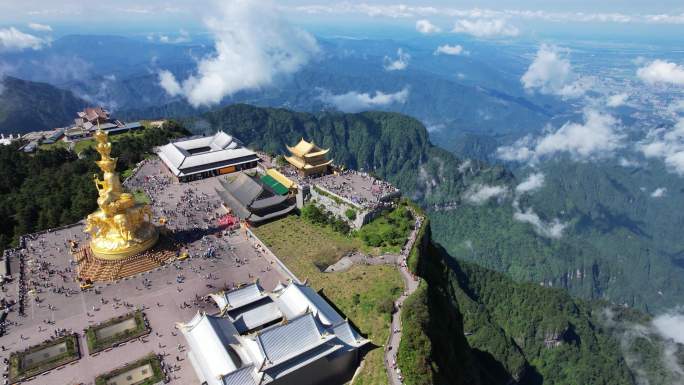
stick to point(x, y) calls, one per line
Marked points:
point(168, 15)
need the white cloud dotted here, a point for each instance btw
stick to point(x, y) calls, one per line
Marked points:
point(670, 326)
point(253, 44)
point(169, 83)
point(398, 64)
point(447, 49)
point(182, 37)
point(400, 10)
point(666, 144)
point(40, 27)
point(659, 192)
point(479, 194)
point(625, 162)
point(553, 229)
point(597, 137)
point(660, 71)
point(435, 127)
point(12, 39)
point(486, 28)
point(533, 182)
point(617, 100)
point(676, 106)
point(355, 101)
point(551, 73)
point(425, 27)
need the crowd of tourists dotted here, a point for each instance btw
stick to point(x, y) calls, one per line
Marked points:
point(358, 187)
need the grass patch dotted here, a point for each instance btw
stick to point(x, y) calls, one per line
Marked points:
point(152, 360)
point(90, 143)
point(415, 347)
point(362, 293)
point(139, 195)
point(83, 144)
point(389, 231)
point(20, 368)
point(60, 144)
point(98, 339)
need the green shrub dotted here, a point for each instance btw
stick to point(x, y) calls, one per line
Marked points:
point(351, 214)
point(318, 216)
point(386, 306)
point(389, 230)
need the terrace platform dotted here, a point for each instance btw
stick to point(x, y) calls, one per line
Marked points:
point(94, 269)
point(173, 292)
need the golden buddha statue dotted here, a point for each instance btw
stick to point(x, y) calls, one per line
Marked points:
point(121, 227)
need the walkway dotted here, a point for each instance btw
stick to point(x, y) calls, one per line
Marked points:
point(411, 284)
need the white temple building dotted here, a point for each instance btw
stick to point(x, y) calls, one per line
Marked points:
point(207, 156)
point(288, 336)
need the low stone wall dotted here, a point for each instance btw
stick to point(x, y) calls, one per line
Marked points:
point(338, 206)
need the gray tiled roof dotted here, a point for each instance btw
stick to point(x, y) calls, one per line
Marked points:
point(243, 376)
point(296, 299)
point(244, 295)
point(286, 341)
point(348, 335)
point(254, 317)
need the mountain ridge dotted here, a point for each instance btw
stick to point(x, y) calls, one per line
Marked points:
point(27, 106)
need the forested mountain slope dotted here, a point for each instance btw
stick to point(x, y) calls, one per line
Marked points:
point(617, 239)
point(519, 333)
point(621, 241)
point(30, 106)
point(394, 146)
point(479, 327)
point(55, 187)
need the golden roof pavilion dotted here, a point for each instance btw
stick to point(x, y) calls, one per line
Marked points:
point(308, 158)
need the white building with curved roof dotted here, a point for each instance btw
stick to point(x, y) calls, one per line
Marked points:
point(207, 156)
point(288, 336)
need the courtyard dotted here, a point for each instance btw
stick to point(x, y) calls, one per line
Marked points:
point(54, 303)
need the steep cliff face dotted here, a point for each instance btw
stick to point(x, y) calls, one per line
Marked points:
point(433, 348)
point(482, 328)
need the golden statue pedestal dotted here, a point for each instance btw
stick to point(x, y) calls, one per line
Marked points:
point(113, 248)
point(121, 229)
point(93, 268)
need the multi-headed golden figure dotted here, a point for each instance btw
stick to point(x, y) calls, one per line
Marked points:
point(121, 227)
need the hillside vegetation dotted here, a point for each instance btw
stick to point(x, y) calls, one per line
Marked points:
point(363, 293)
point(479, 326)
point(391, 145)
point(470, 325)
point(55, 187)
point(620, 243)
point(31, 106)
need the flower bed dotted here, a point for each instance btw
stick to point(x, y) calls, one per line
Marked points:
point(100, 337)
point(151, 360)
point(44, 357)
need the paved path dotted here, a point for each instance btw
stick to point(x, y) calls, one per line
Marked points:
point(411, 284)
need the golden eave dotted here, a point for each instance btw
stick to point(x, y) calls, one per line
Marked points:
point(306, 149)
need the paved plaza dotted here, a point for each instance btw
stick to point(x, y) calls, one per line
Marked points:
point(170, 294)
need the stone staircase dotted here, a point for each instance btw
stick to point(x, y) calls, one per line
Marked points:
point(91, 268)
